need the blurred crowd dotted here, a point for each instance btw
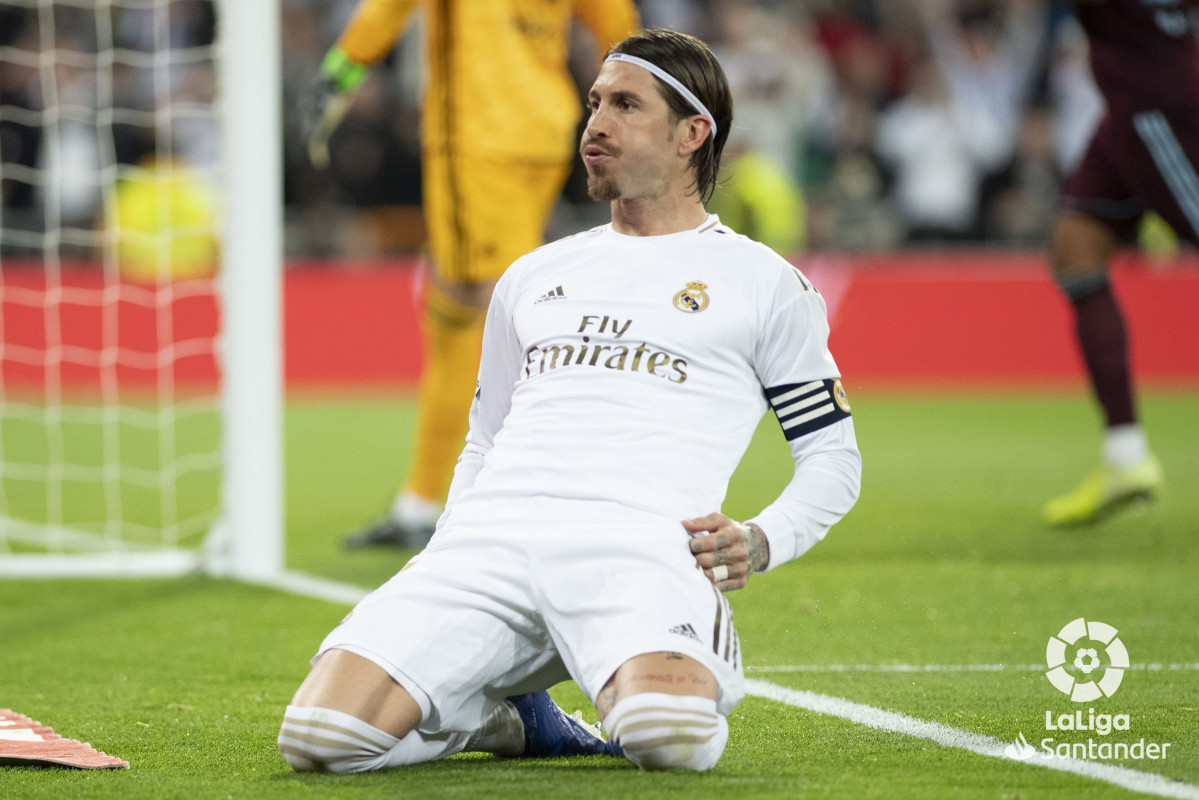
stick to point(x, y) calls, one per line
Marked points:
point(859, 124)
point(107, 124)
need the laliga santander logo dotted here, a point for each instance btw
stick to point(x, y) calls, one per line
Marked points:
point(1095, 680)
point(1086, 661)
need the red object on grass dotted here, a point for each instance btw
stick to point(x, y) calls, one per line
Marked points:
point(27, 743)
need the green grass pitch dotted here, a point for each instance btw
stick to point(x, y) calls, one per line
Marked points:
point(943, 562)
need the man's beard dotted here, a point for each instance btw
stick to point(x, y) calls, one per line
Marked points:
point(602, 185)
point(602, 188)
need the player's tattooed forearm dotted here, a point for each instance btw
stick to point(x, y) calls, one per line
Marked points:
point(758, 546)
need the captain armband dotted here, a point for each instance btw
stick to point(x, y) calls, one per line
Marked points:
point(802, 408)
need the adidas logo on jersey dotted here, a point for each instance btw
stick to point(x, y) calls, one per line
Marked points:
point(553, 294)
point(685, 630)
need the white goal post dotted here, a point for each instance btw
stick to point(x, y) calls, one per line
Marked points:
point(251, 88)
point(101, 475)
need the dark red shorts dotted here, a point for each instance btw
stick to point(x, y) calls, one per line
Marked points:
point(1146, 160)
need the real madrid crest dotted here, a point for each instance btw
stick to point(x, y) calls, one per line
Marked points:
point(693, 299)
point(839, 396)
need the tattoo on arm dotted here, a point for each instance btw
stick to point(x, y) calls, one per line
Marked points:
point(758, 546)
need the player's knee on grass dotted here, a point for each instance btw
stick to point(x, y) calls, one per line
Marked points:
point(324, 740)
point(667, 731)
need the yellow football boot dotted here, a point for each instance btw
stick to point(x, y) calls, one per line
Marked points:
point(1104, 491)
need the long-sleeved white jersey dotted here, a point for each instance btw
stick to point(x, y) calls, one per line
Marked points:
point(635, 369)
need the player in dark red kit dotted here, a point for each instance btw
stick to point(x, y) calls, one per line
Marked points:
point(1142, 157)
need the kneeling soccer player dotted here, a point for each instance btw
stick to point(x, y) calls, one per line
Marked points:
point(624, 372)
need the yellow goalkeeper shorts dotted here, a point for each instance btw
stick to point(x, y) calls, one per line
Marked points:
point(485, 212)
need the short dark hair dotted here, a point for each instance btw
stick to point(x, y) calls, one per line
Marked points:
point(691, 63)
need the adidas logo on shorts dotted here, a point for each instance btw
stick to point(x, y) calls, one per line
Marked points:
point(685, 630)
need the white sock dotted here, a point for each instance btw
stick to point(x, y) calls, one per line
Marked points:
point(324, 740)
point(502, 734)
point(417, 512)
point(668, 731)
point(1125, 446)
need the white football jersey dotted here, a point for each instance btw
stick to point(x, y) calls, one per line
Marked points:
point(635, 369)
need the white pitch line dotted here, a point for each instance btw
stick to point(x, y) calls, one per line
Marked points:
point(945, 667)
point(303, 584)
point(944, 735)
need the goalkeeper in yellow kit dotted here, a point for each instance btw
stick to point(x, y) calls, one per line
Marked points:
point(498, 136)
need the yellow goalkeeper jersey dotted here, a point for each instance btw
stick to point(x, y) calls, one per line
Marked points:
point(497, 81)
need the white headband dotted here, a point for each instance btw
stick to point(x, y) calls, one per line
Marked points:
point(670, 81)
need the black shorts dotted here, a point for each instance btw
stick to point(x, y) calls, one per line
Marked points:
point(1136, 162)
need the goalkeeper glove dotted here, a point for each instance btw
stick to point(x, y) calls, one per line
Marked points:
point(327, 101)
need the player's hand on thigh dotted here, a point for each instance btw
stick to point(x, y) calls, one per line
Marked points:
point(723, 548)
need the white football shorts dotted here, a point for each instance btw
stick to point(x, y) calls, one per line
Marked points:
point(511, 599)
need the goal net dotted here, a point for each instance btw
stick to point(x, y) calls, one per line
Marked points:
point(139, 252)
